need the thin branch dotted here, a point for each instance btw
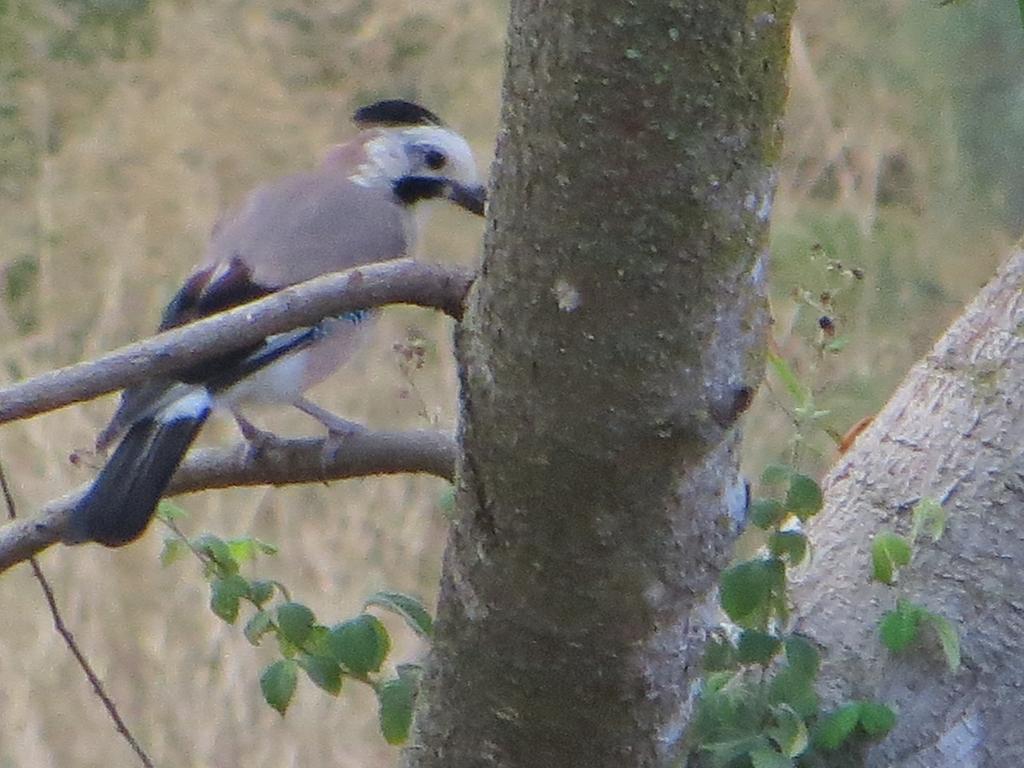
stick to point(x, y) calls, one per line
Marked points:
point(69, 639)
point(394, 282)
point(282, 463)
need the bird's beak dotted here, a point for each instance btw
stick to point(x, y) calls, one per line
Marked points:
point(472, 198)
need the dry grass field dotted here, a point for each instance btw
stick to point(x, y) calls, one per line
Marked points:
point(126, 126)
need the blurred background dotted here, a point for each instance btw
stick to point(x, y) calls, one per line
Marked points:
point(126, 126)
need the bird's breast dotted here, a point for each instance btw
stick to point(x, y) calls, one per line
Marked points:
point(286, 380)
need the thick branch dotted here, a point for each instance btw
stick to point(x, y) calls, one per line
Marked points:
point(952, 433)
point(610, 343)
point(394, 282)
point(284, 463)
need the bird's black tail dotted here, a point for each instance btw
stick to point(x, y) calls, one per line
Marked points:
point(122, 499)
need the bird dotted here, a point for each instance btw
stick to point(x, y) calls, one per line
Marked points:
point(358, 207)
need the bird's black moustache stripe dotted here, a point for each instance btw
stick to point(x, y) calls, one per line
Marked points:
point(413, 189)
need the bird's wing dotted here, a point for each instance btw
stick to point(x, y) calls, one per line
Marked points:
point(212, 289)
point(284, 233)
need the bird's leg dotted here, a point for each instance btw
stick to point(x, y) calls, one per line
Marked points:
point(334, 423)
point(337, 428)
point(259, 439)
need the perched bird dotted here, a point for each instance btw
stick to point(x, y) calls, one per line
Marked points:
point(356, 208)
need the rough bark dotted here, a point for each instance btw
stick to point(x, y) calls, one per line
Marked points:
point(952, 432)
point(610, 343)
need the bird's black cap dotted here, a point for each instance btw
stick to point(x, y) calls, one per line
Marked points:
point(394, 112)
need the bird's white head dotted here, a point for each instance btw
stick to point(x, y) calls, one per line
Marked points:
point(432, 150)
point(407, 147)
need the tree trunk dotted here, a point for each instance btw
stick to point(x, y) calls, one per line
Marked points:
point(952, 432)
point(611, 341)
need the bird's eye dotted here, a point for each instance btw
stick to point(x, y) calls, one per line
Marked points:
point(434, 159)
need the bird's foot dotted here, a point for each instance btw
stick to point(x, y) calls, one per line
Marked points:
point(335, 441)
point(338, 431)
point(259, 440)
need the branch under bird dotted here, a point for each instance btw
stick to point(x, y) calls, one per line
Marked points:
point(356, 208)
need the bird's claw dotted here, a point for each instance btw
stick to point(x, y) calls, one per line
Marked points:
point(337, 435)
point(259, 441)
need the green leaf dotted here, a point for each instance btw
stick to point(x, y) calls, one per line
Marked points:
point(719, 656)
point(804, 659)
point(791, 687)
point(395, 699)
point(288, 650)
point(406, 606)
point(803, 498)
point(776, 474)
point(747, 590)
point(898, 627)
point(790, 731)
point(876, 719)
point(800, 394)
point(835, 728)
point(743, 590)
point(317, 642)
point(889, 552)
point(217, 550)
point(174, 549)
point(257, 626)
point(789, 544)
point(245, 548)
point(767, 513)
point(242, 549)
point(225, 592)
point(728, 751)
point(928, 517)
point(278, 684)
point(294, 622)
point(324, 672)
point(949, 639)
point(360, 644)
point(756, 647)
point(715, 681)
point(265, 547)
point(260, 591)
point(168, 511)
point(769, 758)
